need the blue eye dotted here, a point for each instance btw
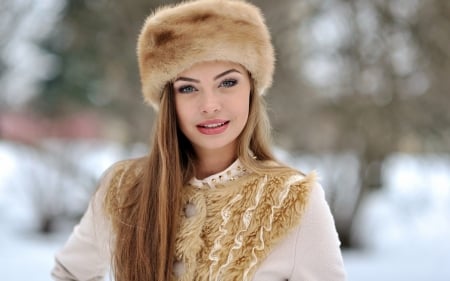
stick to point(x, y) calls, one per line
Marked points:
point(228, 83)
point(186, 89)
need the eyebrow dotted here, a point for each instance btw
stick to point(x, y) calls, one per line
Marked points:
point(215, 77)
point(225, 73)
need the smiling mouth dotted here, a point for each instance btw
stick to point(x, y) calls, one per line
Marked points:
point(214, 125)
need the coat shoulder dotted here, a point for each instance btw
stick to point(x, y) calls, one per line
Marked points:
point(119, 180)
point(125, 172)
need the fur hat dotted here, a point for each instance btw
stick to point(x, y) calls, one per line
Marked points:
point(174, 38)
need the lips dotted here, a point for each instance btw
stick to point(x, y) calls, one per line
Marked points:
point(212, 127)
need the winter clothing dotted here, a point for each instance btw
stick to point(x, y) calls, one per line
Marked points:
point(176, 37)
point(235, 225)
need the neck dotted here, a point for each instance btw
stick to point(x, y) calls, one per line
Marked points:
point(212, 162)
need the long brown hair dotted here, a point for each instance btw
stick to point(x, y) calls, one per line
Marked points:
point(145, 215)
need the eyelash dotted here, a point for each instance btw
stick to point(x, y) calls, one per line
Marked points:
point(183, 89)
point(227, 83)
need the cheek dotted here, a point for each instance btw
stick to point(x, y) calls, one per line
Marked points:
point(184, 114)
point(242, 110)
point(246, 113)
point(245, 106)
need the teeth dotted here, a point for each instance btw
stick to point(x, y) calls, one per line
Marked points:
point(214, 125)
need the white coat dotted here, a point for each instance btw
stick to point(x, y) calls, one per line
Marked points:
point(310, 252)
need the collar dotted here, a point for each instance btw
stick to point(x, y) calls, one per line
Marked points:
point(234, 171)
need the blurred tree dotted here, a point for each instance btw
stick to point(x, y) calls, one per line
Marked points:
point(357, 76)
point(58, 189)
point(361, 76)
point(5, 29)
point(11, 16)
point(95, 43)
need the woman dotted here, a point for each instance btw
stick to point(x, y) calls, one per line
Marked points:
point(210, 201)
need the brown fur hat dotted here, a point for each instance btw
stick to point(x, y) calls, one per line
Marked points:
point(174, 38)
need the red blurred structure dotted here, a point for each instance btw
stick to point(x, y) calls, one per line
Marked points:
point(30, 128)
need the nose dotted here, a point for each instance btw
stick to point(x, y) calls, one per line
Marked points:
point(210, 102)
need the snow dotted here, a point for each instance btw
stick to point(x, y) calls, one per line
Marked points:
point(405, 226)
point(26, 256)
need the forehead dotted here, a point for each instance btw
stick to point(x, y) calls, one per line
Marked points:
point(211, 67)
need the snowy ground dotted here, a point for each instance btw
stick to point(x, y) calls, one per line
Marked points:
point(406, 226)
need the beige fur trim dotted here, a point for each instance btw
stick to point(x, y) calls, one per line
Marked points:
point(174, 38)
point(123, 177)
point(236, 225)
point(239, 224)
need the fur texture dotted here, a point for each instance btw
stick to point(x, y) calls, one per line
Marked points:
point(238, 224)
point(235, 225)
point(176, 37)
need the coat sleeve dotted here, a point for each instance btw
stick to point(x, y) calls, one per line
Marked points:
point(318, 256)
point(86, 254)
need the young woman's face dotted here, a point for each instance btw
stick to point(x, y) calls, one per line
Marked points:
point(212, 104)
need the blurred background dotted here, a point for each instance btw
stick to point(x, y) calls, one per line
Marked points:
point(361, 94)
